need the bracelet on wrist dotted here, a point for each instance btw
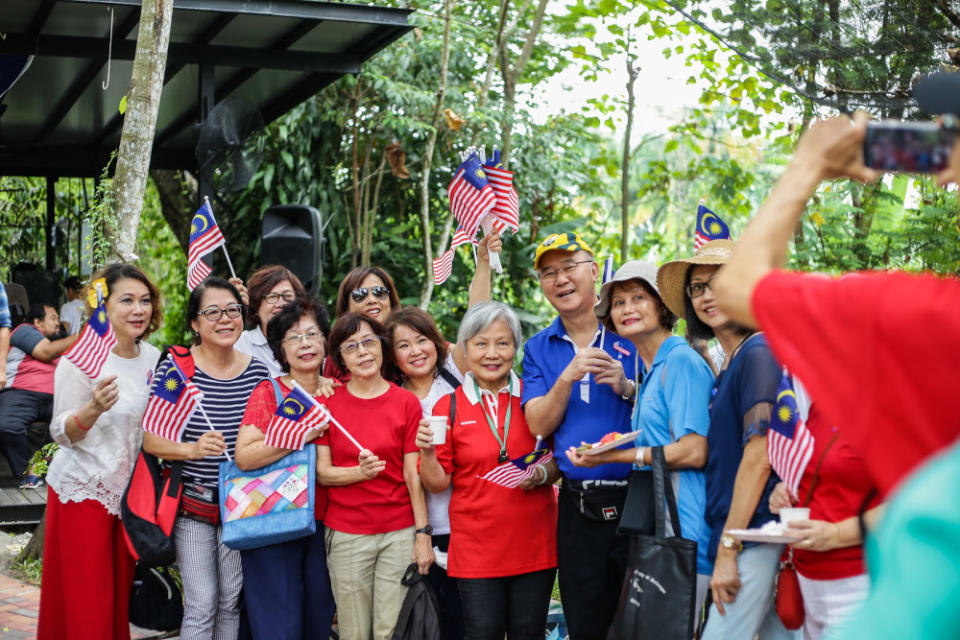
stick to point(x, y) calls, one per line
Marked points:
point(76, 420)
point(546, 475)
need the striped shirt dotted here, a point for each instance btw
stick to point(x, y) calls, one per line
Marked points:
point(224, 402)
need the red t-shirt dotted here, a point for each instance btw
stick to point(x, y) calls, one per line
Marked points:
point(387, 426)
point(494, 531)
point(878, 353)
point(260, 409)
point(843, 486)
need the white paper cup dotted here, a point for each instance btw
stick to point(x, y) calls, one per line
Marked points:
point(438, 424)
point(791, 514)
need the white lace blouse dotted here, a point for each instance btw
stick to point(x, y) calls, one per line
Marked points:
point(98, 466)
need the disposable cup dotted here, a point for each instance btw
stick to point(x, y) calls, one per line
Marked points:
point(791, 514)
point(438, 424)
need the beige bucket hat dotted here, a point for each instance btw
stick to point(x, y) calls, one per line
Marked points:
point(633, 270)
point(671, 276)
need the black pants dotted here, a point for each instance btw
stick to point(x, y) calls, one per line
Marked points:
point(448, 595)
point(592, 561)
point(19, 408)
point(515, 605)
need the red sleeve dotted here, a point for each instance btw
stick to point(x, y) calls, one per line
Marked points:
point(877, 352)
point(444, 451)
point(261, 406)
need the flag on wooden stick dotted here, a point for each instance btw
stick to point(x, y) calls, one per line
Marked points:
point(97, 339)
point(173, 402)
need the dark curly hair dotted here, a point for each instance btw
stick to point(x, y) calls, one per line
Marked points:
point(290, 315)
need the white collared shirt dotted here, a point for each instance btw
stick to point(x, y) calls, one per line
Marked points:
point(254, 343)
point(490, 400)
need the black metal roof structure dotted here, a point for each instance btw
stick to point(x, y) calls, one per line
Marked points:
point(59, 120)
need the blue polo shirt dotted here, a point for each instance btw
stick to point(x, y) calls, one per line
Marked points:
point(751, 377)
point(675, 395)
point(4, 308)
point(593, 410)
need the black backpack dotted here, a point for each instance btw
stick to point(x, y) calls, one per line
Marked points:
point(420, 615)
point(155, 601)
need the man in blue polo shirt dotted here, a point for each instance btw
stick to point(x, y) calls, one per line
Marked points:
point(569, 376)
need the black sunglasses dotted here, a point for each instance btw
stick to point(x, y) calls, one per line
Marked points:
point(360, 294)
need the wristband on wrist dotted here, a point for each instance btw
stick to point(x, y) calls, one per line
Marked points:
point(546, 475)
point(641, 453)
point(76, 419)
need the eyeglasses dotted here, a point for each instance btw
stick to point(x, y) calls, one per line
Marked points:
point(697, 289)
point(311, 336)
point(549, 275)
point(360, 294)
point(287, 296)
point(213, 314)
point(368, 344)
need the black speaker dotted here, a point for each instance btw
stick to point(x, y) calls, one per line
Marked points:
point(292, 236)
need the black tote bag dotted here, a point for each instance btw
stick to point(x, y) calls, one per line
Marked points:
point(659, 590)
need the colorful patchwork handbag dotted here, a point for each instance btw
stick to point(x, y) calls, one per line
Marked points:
point(272, 504)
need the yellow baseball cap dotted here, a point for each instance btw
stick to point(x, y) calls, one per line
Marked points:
point(569, 241)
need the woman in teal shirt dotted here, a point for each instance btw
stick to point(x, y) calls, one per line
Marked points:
point(671, 410)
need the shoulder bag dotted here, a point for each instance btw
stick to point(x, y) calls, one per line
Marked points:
point(272, 504)
point(659, 590)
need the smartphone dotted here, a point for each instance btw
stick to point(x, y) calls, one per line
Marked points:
point(907, 147)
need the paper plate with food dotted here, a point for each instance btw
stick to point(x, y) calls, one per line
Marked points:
point(772, 531)
point(610, 441)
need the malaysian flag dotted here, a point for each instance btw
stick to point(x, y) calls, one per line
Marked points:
point(506, 211)
point(471, 198)
point(92, 348)
point(297, 415)
point(709, 227)
point(512, 472)
point(175, 398)
point(789, 442)
point(205, 237)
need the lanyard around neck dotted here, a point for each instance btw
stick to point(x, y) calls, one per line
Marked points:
point(490, 422)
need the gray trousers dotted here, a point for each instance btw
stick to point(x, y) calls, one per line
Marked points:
point(211, 582)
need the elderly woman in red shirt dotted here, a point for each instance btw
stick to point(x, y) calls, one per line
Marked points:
point(502, 540)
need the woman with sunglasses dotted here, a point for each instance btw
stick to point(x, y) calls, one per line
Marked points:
point(87, 570)
point(370, 292)
point(226, 377)
point(270, 288)
point(376, 513)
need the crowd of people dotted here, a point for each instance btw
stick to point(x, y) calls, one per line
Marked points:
point(877, 400)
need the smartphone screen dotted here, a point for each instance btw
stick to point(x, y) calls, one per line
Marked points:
point(907, 147)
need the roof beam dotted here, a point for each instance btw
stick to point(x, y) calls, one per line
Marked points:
point(98, 59)
point(40, 18)
point(186, 53)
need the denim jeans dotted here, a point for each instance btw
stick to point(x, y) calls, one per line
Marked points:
point(514, 605)
point(753, 613)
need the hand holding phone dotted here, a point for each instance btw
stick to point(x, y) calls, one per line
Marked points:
point(907, 147)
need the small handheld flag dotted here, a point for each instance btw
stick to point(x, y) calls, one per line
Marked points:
point(92, 348)
point(512, 473)
point(709, 227)
point(173, 403)
point(205, 237)
point(789, 442)
point(295, 418)
point(607, 274)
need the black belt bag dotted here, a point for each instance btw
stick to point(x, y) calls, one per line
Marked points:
point(200, 503)
point(598, 501)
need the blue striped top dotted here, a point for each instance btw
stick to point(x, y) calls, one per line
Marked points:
point(224, 402)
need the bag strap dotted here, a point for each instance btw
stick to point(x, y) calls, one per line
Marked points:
point(276, 391)
point(453, 408)
point(816, 472)
point(661, 495)
point(448, 376)
point(184, 359)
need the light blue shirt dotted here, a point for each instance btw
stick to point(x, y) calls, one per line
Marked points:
point(675, 395)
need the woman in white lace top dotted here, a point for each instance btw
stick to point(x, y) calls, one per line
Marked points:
point(87, 570)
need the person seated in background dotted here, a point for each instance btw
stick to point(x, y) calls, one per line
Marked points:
point(71, 313)
point(35, 347)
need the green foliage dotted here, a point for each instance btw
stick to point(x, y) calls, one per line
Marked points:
point(29, 570)
point(40, 461)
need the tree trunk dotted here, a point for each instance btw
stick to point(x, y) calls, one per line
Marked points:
point(34, 548)
point(625, 169)
point(139, 124)
point(178, 197)
point(426, 289)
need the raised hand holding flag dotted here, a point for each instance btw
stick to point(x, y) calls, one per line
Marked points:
point(90, 351)
point(173, 402)
point(709, 227)
point(512, 473)
point(789, 442)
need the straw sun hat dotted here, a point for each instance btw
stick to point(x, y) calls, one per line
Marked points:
point(671, 276)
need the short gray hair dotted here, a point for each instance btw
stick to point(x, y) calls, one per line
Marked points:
point(480, 316)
